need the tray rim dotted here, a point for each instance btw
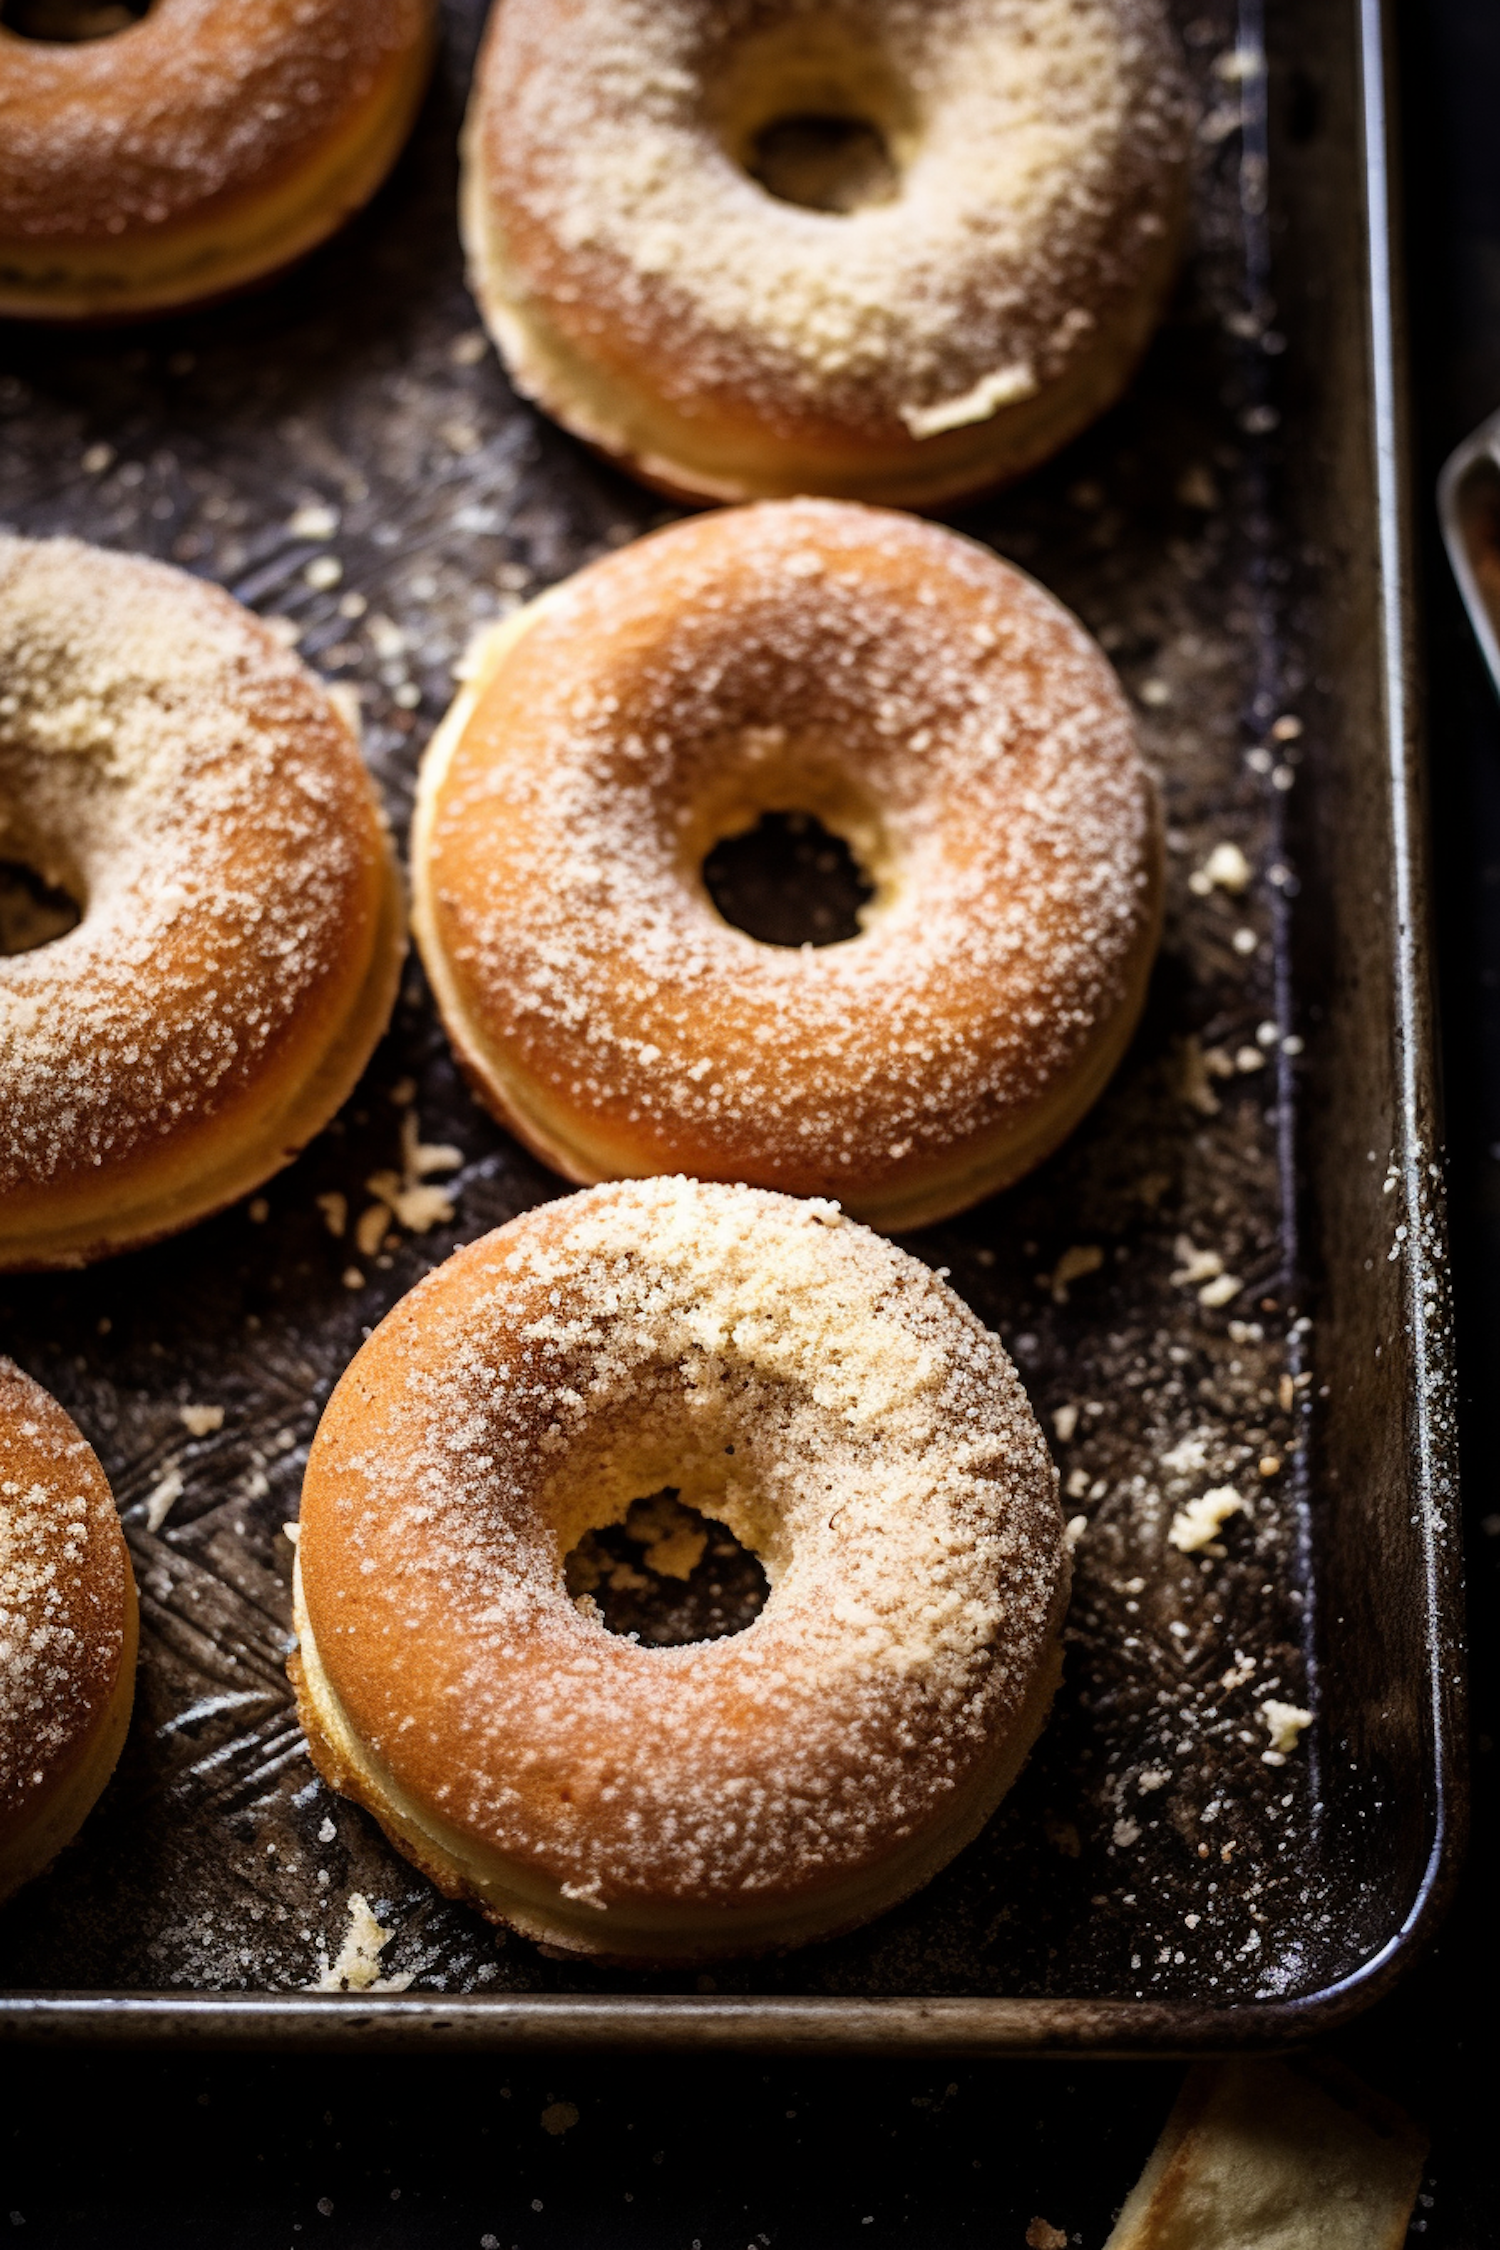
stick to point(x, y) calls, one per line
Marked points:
point(1075, 2030)
point(1042, 2026)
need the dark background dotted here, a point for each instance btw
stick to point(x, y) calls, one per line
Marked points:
point(708, 2154)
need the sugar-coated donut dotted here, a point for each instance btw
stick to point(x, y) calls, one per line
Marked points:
point(180, 775)
point(928, 703)
point(67, 1629)
point(727, 343)
point(792, 1376)
point(196, 150)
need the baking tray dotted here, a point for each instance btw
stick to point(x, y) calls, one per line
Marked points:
point(1257, 1197)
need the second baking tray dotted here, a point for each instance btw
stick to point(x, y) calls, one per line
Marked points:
point(1233, 1274)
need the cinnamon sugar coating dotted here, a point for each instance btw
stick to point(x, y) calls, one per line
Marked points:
point(925, 700)
point(184, 113)
point(166, 761)
point(66, 1600)
point(647, 289)
point(797, 1378)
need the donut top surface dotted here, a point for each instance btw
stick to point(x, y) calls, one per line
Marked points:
point(1039, 145)
point(788, 1373)
point(167, 762)
point(183, 111)
point(921, 696)
point(63, 1592)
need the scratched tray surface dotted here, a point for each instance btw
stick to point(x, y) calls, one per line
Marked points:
point(344, 454)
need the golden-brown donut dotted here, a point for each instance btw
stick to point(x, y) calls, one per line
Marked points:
point(931, 308)
point(67, 1629)
point(196, 150)
point(928, 703)
point(180, 775)
point(794, 1377)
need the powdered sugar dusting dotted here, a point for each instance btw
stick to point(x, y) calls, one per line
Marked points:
point(61, 1580)
point(919, 694)
point(794, 1375)
point(163, 759)
point(1041, 145)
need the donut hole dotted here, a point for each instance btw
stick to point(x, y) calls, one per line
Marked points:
point(788, 881)
point(666, 1575)
point(824, 163)
point(68, 22)
point(816, 117)
point(34, 910)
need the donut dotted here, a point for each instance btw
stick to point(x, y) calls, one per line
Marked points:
point(886, 250)
point(928, 704)
point(792, 1376)
point(153, 157)
point(67, 1630)
point(167, 765)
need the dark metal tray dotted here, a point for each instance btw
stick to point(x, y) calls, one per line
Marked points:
point(1235, 534)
